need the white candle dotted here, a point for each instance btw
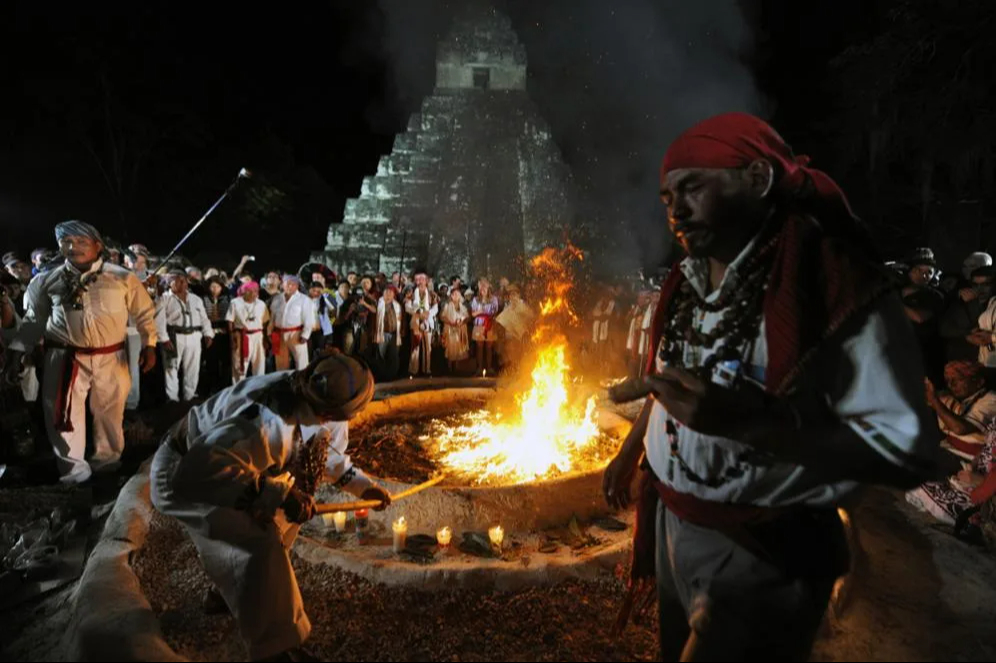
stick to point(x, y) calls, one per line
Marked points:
point(400, 528)
point(443, 537)
point(497, 536)
point(339, 518)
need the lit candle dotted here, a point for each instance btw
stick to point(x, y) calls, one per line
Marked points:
point(485, 373)
point(339, 517)
point(497, 536)
point(443, 537)
point(400, 528)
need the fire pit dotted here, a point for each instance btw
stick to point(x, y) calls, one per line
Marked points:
point(467, 501)
point(525, 456)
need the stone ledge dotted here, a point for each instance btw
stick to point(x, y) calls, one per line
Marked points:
point(378, 564)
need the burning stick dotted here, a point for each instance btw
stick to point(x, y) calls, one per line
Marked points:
point(333, 507)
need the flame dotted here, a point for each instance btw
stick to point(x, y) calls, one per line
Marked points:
point(548, 428)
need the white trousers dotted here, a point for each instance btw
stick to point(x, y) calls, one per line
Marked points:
point(188, 355)
point(290, 346)
point(134, 350)
point(246, 560)
point(106, 379)
point(256, 361)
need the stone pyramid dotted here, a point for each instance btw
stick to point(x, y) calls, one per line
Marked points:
point(475, 184)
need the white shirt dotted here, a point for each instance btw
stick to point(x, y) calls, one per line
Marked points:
point(420, 302)
point(247, 316)
point(171, 311)
point(873, 382)
point(112, 295)
point(297, 312)
point(233, 438)
point(987, 321)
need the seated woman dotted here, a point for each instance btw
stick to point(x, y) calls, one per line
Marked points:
point(974, 485)
point(965, 409)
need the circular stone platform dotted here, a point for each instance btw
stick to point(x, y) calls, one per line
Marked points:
point(524, 507)
point(530, 514)
point(522, 563)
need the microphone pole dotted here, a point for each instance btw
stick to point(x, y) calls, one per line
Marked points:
point(231, 187)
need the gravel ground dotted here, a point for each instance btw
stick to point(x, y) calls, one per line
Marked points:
point(356, 620)
point(922, 595)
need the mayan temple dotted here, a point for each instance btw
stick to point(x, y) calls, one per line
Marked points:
point(475, 182)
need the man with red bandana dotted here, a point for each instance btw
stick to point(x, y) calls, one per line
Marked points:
point(785, 374)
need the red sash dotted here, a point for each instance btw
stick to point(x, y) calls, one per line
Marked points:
point(276, 337)
point(64, 401)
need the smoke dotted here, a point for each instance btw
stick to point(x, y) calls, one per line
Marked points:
point(617, 81)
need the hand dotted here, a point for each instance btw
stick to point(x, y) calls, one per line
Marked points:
point(980, 337)
point(168, 346)
point(208, 342)
point(932, 399)
point(13, 367)
point(299, 506)
point(616, 482)
point(706, 407)
point(968, 294)
point(377, 493)
point(245, 259)
point(147, 360)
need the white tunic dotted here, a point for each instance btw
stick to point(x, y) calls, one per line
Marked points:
point(296, 312)
point(113, 295)
point(172, 311)
point(872, 381)
point(244, 315)
point(233, 440)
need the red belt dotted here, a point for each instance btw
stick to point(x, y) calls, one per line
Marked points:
point(245, 334)
point(276, 337)
point(64, 402)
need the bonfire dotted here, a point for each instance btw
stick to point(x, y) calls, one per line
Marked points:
point(550, 429)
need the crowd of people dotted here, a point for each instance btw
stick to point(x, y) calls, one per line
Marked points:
point(954, 317)
point(207, 328)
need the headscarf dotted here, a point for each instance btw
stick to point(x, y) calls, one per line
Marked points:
point(966, 370)
point(734, 140)
point(77, 229)
point(248, 286)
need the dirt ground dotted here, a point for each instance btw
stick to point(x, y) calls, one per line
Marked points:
point(923, 596)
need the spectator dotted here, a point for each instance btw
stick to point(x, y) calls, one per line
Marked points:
point(483, 308)
point(959, 326)
point(388, 334)
point(217, 370)
point(923, 303)
point(965, 409)
point(321, 335)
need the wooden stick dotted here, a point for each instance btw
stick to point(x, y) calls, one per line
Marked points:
point(333, 507)
point(419, 488)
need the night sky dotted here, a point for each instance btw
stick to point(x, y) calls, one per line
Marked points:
point(171, 99)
